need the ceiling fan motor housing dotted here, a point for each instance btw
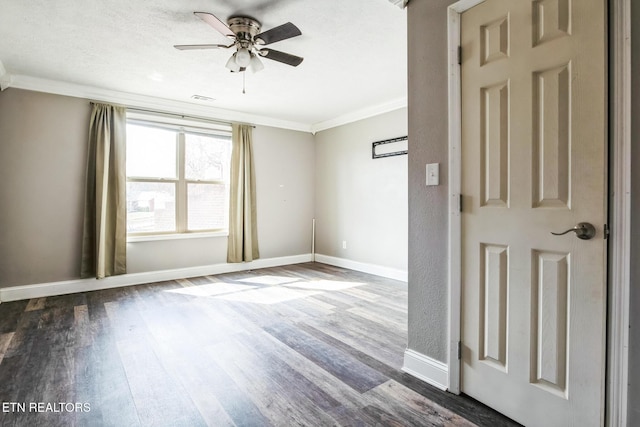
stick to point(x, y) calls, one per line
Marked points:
point(244, 28)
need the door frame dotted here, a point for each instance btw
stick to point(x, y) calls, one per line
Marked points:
point(619, 78)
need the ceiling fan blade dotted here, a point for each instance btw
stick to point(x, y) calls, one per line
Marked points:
point(285, 58)
point(215, 23)
point(200, 46)
point(282, 32)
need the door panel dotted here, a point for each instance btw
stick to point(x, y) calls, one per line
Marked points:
point(533, 162)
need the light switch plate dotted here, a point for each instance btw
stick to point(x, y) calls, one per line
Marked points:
point(433, 174)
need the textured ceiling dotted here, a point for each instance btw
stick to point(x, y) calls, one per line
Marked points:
point(354, 52)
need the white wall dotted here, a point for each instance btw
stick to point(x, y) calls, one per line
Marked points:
point(361, 200)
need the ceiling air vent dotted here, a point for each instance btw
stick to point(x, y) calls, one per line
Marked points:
point(202, 98)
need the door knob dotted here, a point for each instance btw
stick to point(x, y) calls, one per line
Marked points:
point(583, 230)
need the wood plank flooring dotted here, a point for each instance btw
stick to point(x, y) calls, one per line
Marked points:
point(302, 345)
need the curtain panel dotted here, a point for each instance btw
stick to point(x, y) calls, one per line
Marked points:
point(104, 242)
point(243, 229)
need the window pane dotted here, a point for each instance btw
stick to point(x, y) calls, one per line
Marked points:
point(207, 206)
point(151, 152)
point(206, 157)
point(151, 206)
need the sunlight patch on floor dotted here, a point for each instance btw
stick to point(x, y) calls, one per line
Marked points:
point(325, 285)
point(269, 280)
point(268, 289)
point(212, 289)
point(271, 295)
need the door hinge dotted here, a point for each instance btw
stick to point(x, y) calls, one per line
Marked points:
point(460, 203)
point(459, 55)
point(606, 231)
point(459, 350)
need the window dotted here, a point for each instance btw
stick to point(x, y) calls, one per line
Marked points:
point(177, 177)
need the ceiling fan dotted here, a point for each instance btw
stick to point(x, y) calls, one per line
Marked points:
point(248, 41)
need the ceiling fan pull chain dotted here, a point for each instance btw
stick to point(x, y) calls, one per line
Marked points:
point(244, 75)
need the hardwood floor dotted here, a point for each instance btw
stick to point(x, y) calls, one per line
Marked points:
point(302, 345)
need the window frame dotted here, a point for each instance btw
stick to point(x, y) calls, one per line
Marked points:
point(182, 127)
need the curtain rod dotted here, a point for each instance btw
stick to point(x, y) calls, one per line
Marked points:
point(186, 116)
point(183, 116)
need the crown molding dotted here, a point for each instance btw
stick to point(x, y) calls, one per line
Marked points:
point(5, 78)
point(56, 87)
point(400, 3)
point(361, 114)
point(149, 102)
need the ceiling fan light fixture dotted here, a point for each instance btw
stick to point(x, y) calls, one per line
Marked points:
point(243, 57)
point(255, 64)
point(232, 64)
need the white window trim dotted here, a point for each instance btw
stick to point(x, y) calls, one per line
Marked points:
point(176, 236)
point(181, 125)
point(180, 122)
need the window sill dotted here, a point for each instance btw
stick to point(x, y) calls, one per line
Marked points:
point(177, 236)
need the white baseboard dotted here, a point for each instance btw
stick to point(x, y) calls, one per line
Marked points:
point(42, 290)
point(426, 369)
point(378, 270)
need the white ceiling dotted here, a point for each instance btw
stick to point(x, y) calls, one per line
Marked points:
point(354, 53)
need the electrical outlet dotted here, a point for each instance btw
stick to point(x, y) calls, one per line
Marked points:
point(344, 244)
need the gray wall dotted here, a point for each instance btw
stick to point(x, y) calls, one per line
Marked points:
point(42, 168)
point(285, 175)
point(428, 142)
point(634, 331)
point(361, 200)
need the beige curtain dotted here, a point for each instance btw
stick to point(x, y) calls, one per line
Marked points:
point(243, 230)
point(104, 243)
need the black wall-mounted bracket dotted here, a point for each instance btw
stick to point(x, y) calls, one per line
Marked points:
point(376, 155)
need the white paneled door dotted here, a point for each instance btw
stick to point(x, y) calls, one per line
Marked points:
point(534, 144)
